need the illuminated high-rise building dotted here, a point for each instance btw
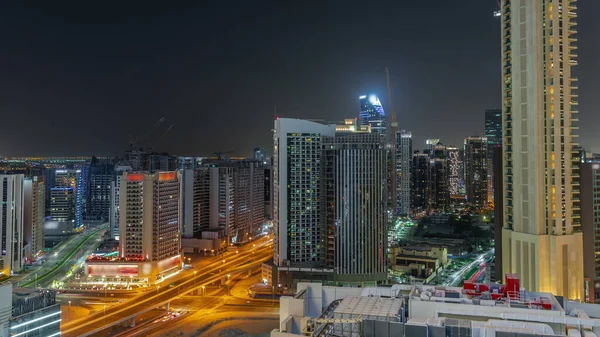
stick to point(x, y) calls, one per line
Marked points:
point(493, 133)
point(371, 115)
point(476, 171)
point(68, 198)
point(298, 196)
point(420, 187)
point(453, 169)
point(34, 210)
point(149, 212)
point(11, 223)
point(542, 241)
point(102, 175)
point(403, 171)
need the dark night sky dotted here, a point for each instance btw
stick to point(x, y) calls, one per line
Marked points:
point(79, 80)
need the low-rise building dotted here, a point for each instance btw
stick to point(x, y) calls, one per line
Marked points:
point(420, 263)
point(34, 313)
point(415, 311)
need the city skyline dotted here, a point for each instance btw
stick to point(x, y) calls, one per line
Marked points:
point(244, 69)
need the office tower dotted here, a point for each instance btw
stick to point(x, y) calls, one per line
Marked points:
point(420, 182)
point(476, 171)
point(590, 224)
point(249, 202)
point(371, 115)
point(268, 191)
point(195, 205)
point(149, 215)
point(541, 236)
point(34, 313)
point(403, 171)
point(493, 126)
point(260, 154)
point(497, 157)
point(431, 144)
point(33, 214)
point(102, 175)
point(11, 223)
point(300, 227)
point(222, 200)
point(355, 180)
point(493, 133)
point(115, 187)
point(68, 198)
point(439, 199)
point(453, 169)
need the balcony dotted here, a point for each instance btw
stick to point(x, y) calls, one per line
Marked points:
point(574, 102)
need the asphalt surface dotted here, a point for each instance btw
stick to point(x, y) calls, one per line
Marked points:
point(146, 301)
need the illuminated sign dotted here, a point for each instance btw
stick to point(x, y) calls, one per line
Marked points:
point(166, 176)
point(109, 269)
point(362, 97)
point(135, 177)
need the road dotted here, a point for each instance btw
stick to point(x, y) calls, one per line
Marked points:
point(211, 273)
point(61, 257)
point(458, 276)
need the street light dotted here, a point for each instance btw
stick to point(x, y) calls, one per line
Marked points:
point(69, 303)
point(157, 287)
point(105, 310)
point(203, 293)
point(228, 276)
point(194, 277)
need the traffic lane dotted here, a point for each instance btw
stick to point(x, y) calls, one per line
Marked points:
point(151, 300)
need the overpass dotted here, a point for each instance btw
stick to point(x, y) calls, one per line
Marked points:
point(126, 312)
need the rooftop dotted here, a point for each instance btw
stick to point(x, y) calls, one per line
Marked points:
point(369, 306)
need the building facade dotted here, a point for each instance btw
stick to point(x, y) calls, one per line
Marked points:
point(115, 187)
point(590, 223)
point(11, 223)
point(493, 133)
point(149, 214)
point(476, 171)
point(371, 116)
point(68, 197)
point(356, 170)
point(35, 313)
point(542, 237)
point(453, 170)
point(102, 176)
point(420, 188)
point(403, 171)
point(33, 215)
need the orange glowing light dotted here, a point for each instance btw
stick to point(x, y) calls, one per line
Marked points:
point(135, 177)
point(165, 176)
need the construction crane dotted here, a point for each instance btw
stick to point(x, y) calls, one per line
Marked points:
point(162, 136)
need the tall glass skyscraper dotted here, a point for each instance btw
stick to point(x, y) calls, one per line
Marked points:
point(371, 114)
point(493, 126)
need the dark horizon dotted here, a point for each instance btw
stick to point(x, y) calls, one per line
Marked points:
point(79, 79)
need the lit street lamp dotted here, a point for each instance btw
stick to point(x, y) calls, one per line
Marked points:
point(157, 287)
point(105, 310)
point(228, 276)
point(203, 292)
point(69, 303)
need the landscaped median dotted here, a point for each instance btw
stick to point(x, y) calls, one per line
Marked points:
point(66, 258)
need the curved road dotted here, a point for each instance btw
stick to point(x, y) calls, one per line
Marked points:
point(211, 273)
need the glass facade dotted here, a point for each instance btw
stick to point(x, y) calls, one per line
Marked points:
point(371, 114)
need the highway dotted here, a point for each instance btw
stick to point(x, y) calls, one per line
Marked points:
point(165, 292)
point(459, 275)
point(59, 259)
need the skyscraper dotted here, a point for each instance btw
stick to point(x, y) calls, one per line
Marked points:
point(476, 171)
point(356, 169)
point(590, 223)
point(453, 169)
point(371, 114)
point(34, 210)
point(68, 197)
point(260, 154)
point(403, 170)
point(11, 223)
point(541, 240)
point(439, 198)
point(493, 132)
point(102, 175)
point(493, 126)
point(298, 194)
point(115, 187)
point(420, 192)
point(149, 211)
